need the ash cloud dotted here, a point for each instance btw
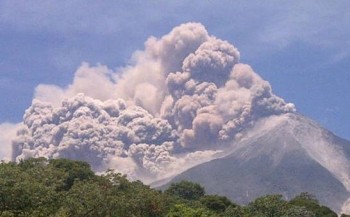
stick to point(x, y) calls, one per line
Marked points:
point(212, 61)
point(8, 132)
point(182, 99)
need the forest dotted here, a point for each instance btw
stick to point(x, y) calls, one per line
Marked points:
point(60, 188)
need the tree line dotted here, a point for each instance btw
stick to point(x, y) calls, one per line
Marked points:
point(65, 188)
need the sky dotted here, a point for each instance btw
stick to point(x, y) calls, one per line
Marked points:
point(301, 47)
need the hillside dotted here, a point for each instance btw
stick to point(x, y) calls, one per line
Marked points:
point(292, 155)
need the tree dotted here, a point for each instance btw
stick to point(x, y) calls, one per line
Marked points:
point(311, 203)
point(76, 170)
point(186, 190)
point(62, 188)
point(297, 211)
point(235, 211)
point(181, 210)
point(24, 194)
point(269, 206)
point(216, 203)
point(85, 198)
point(132, 197)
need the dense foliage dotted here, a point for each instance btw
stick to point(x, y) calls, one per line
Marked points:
point(61, 187)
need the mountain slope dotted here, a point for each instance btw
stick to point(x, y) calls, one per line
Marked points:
point(285, 154)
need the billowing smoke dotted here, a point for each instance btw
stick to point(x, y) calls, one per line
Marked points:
point(8, 132)
point(184, 98)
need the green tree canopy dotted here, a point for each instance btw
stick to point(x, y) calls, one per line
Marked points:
point(186, 190)
point(67, 188)
point(269, 206)
point(216, 203)
point(309, 202)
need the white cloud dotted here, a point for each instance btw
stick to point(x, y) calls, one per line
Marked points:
point(314, 22)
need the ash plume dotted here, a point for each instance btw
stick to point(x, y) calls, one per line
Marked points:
point(182, 99)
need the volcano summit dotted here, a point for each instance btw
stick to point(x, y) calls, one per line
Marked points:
point(286, 155)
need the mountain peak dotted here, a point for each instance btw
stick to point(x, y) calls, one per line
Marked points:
point(285, 154)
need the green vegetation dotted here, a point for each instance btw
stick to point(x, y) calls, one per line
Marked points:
point(62, 188)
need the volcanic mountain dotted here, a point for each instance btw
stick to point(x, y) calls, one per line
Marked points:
point(186, 105)
point(287, 155)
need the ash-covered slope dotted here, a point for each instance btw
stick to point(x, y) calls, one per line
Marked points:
point(285, 154)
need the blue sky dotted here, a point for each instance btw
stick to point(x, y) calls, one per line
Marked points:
point(301, 47)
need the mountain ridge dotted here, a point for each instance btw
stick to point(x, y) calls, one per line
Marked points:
point(285, 154)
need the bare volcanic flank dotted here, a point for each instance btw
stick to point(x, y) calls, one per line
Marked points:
point(285, 155)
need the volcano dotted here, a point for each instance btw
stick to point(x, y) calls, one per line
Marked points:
point(286, 154)
point(186, 107)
